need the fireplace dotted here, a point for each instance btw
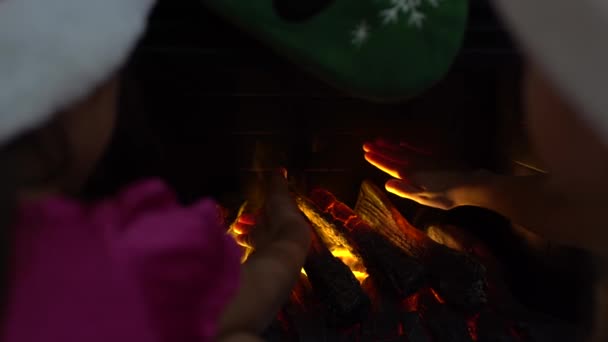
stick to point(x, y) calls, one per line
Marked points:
point(203, 97)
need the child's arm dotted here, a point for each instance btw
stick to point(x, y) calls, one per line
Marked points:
point(533, 202)
point(273, 269)
point(529, 201)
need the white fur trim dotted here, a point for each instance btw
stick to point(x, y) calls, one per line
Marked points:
point(54, 52)
point(569, 39)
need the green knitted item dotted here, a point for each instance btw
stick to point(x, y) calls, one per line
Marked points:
point(380, 49)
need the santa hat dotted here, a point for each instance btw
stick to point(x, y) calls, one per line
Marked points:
point(54, 52)
point(568, 39)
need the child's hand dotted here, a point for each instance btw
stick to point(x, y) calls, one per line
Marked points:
point(417, 175)
point(281, 237)
point(279, 218)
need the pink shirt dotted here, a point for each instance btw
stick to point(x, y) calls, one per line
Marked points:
point(138, 267)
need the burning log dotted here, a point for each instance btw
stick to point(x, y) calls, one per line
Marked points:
point(457, 276)
point(414, 328)
point(487, 326)
point(391, 269)
point(462, 241)
point(446, 325)
point(411, 285)
point(383, 324)
point(336, 286)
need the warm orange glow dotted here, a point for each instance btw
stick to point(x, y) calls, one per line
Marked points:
point(336, 247)
point(345, 255)
point(411, 303)
point(237, 229)
point(336, 244)
point(395, 189)
point(380, 165)
point(437, 296)
point(352, 261)
point(246, 219)
point(472, 327)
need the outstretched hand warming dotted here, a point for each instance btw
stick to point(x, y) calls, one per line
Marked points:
point(419, 176)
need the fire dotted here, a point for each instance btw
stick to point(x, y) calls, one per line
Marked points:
point(239, 228)
point(412, 303)
point(244, 222)
point(336, 244)
point(349, 259)
point(352, 261)
point(439, 299)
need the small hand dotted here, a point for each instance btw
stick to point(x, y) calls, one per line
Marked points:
point(281, 237)
point(279, 217)
point(418, 175)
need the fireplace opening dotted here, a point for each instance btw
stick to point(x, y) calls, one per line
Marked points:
point(202, 100)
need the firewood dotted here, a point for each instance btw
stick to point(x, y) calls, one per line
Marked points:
point(414, 329)
point(443, 323)
point(412, 292)
point(460, 240)
point(384, 323)
point(336, 286)
point(487, 326)
point(393, 270)
point(460, 278)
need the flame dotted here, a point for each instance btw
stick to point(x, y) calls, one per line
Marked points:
point(336, 244)
point(349, 259)
point(236, 229)
point(439, 299)
point(352, 261)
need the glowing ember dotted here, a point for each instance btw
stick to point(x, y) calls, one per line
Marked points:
point(430, 313)
point(352, 261)
point(245, 222)
point(472, 327)
point(411, 303)
point(437, 296)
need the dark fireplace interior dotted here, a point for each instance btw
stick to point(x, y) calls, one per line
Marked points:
point(200, 99)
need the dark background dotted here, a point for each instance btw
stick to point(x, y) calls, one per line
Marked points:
point(199, 95)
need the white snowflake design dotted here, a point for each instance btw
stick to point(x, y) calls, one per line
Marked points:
point(391, 15)
point(360, 34)
point(409, 8)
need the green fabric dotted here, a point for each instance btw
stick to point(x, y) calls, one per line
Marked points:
point(354, 44)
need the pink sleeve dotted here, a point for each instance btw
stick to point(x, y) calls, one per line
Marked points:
point(65, 285)
point(185, 262)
